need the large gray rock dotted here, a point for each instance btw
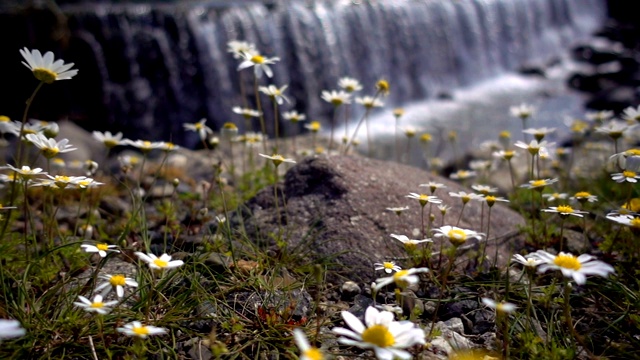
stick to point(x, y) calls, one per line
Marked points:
point(336, 212)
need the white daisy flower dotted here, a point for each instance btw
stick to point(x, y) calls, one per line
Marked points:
point(631, 114)
point(369, 102)
point(135, 328)
point(307, 352)
point(625, 176)
point(144, 145)
point(613, 129)
point(97, 305)
point(293, 116)
point(259, 62)
point(386, 337)
point(534, 147)
point(423, 199)
point(11, 329)
point(117, 282)
point(484, 189)
point(277, 159)
point(554, 196)
point(573, 267)
point(50, 147)
point(499, 307)
point(238, 48)
point(565, 210)
point(87, 183)
point(539, 133)
point(159, 263)
point(44, 68)
point(522, 111)
point(387, 266)
point(599, 116)
point(26, 172)
point(275, 93)
point(465, 197)
point(246, 112)
point(336, 98)
point(491, 200)
point(199, 127)
point(398, 210)
point(539, 184)
point(101, 248)
point(402, 278)
point(406, 241)
point(107, 138)
point(625, 219)
point(457, 236)
point(433, 186)
point(527, 261)
point(349, 84)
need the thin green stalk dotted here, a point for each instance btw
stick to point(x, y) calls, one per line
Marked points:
point(261, 117)
point(333, 125)
point(276, 126)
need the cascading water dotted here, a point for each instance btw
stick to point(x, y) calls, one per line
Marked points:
point(161, 66)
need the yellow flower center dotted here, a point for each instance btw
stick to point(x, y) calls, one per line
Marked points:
point(336, 101)
point(582, 194)
point(198, 126)
point(383, 86)
point(388, 265)
point(567, 261)
point(400, 274)
point(538, 183)
point(453, 135)
point(257, 59)
point(615, 134)
point(4, 118)
point(160, 263)
point(103, 247)
point(490, 199)
point(635, 222)
point(465, 199)
point(230, 126)
point(314, 126)
point(50, 152)
point(277, 159)
point(142, 330)
point(629, 174)
point(425, 137)
point(313, 353)
point(117, 280)
point(505, 134)
point(632, 152)
point(379, 336)
point(110, 143)
point(97, 305)
point(398, 112)
point(45, 75)
point(566, 209)
point(457, 236)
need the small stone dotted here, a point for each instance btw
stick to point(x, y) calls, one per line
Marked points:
point(455, 324)
point(349, 290)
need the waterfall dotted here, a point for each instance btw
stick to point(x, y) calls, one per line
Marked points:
point(161, 66)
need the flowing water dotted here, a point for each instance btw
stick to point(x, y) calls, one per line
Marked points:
point(161, 66)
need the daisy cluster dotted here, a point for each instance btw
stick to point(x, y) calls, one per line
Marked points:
point(383, 331)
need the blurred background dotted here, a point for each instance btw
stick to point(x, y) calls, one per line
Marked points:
point(147, 67)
